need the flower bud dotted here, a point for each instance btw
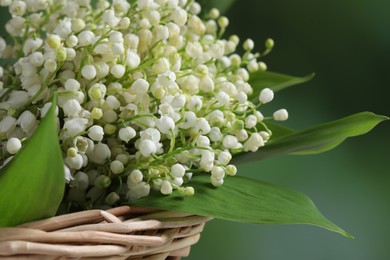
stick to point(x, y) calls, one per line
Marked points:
point(72, 152)
point(85, 38)
point(54, 41)
point(72, 41)
point(166, 188)
point(116, 167)
point(266, 96)
point(111, 198)
point(280, 115)
point(218, 172)
point(88, 72)
point(231, 170)
point(223, 22)
point(13, 145)
point(118, 71)
point(269, 43)
point(81, 181)
point(248, 45)
point(135, 176)
point(50, 65)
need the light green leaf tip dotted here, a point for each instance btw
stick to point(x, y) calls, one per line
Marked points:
point(244, 200)
point(316, 139)
point(32, 183)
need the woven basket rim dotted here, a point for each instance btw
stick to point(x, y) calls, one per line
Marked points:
point(119, 233)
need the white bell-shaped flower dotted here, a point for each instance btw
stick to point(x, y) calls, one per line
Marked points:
point(178, 170)
point(166, 188)
point(85, 38)
point(116, 167)
point(147, 147)
point(151, 134)
point(195, 103)
point(224, 157)
point(140, 86)
point(138, 190)
point(216, 182)
point(253, 143)
point(72, 85)
point(202, 125)
point(96, 133)
point(135, 176)
point(118, 71)
point(27, 121)
point(189, 120)
point(229, 142)
point(75, 162)
point(7, 124)
point(132, 60)
point(215, 134)
point(179, 16)
point(31, 45)
point(251, 121)
point(100, 154)
point(218, 172)
point(202, 141)
point(72, 108)
point(165, 124)
point(126, 134)
point(74, 126)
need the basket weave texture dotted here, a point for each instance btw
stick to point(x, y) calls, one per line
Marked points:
point(119, 233)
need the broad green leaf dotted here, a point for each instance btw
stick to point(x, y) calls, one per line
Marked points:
point(316, 139)
point(244, 200)
point(274, 81)
point(279, 131)
point(32, 183)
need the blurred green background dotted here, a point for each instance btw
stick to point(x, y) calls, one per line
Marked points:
point(347, 44)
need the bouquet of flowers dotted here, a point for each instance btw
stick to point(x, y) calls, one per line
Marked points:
point(144, 103)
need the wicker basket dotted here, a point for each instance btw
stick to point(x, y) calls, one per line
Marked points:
point(119, 233)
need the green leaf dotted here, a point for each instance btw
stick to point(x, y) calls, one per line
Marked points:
point(244, 200)
point(316, 139)
point(279, 131)
point(32, 184)
point(274, 81)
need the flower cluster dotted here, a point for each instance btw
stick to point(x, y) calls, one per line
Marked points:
point(148, 93)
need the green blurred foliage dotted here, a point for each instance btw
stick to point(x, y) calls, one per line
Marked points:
point(347, 44)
